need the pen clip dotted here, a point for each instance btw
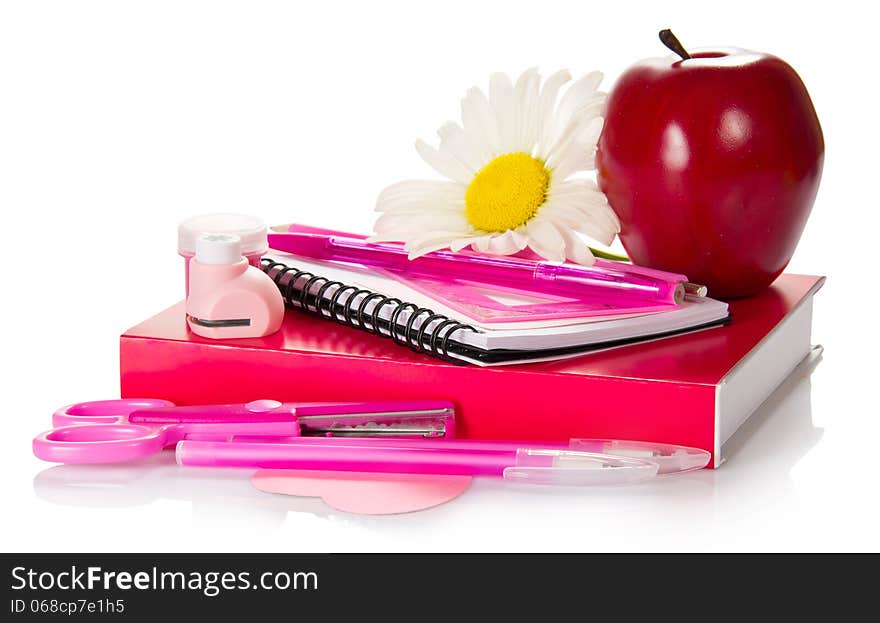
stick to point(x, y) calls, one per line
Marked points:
point(543, 466)
point(670, 459)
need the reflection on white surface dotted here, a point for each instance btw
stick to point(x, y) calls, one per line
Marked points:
point(779, 434)
point(212, 492)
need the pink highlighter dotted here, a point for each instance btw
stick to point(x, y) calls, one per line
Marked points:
point(228, 297)
point(608, 281)
point(580, 462)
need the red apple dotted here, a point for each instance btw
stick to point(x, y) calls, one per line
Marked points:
point(712, 163)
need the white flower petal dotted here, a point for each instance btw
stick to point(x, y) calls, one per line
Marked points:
point(461, 243)
point(454, 140)
point(576, 250)
point(580, 153)
point(562, 213)
point(546, 127)
point(573, 158)
point(584, 214)
point(417, 195)
point(590, 138)
point(433, 242)
point(580, 120)
point(518, 237)
point(501, 97)
point(410, 205)
point(575, 186)
point(508, 243)
point(478, 118)
point(422, 187)
point(481, 244)
point(593, 203)
point(527, 94)
point(545, 240)
point(577, 95)
point(593, 130)
point(419, 223)
point(444, 163)
point(578, 221)
point(505, 243)
point(389, 237)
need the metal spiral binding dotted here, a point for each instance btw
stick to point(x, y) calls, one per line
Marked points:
point(351, 310)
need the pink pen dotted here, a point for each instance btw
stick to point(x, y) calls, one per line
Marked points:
point(580, 462)
point(604, 280)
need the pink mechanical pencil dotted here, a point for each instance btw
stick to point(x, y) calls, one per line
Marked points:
point(607, 280)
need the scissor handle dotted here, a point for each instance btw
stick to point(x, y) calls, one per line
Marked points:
point(104, 411)
point(113, 431)
point(99, 443)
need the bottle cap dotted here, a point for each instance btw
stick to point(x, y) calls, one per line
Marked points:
point(251, 230)
point(218, 249)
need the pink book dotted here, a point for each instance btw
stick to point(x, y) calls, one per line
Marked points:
point(694, 389)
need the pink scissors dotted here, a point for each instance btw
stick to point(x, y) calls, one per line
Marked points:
point(130, 429)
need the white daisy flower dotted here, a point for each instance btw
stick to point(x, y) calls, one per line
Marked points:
point(515, 168)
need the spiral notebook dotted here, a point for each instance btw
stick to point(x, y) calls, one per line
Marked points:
point(380, 303)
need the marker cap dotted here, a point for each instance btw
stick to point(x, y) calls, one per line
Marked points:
point(250, 229)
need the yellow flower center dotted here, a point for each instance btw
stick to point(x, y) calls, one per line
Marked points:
point(507, 192)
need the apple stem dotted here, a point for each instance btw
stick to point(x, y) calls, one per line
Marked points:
point(672, 42)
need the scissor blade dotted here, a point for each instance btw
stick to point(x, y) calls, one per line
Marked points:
point(426, 423)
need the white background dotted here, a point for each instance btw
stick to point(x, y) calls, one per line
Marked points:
point(119, 119)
